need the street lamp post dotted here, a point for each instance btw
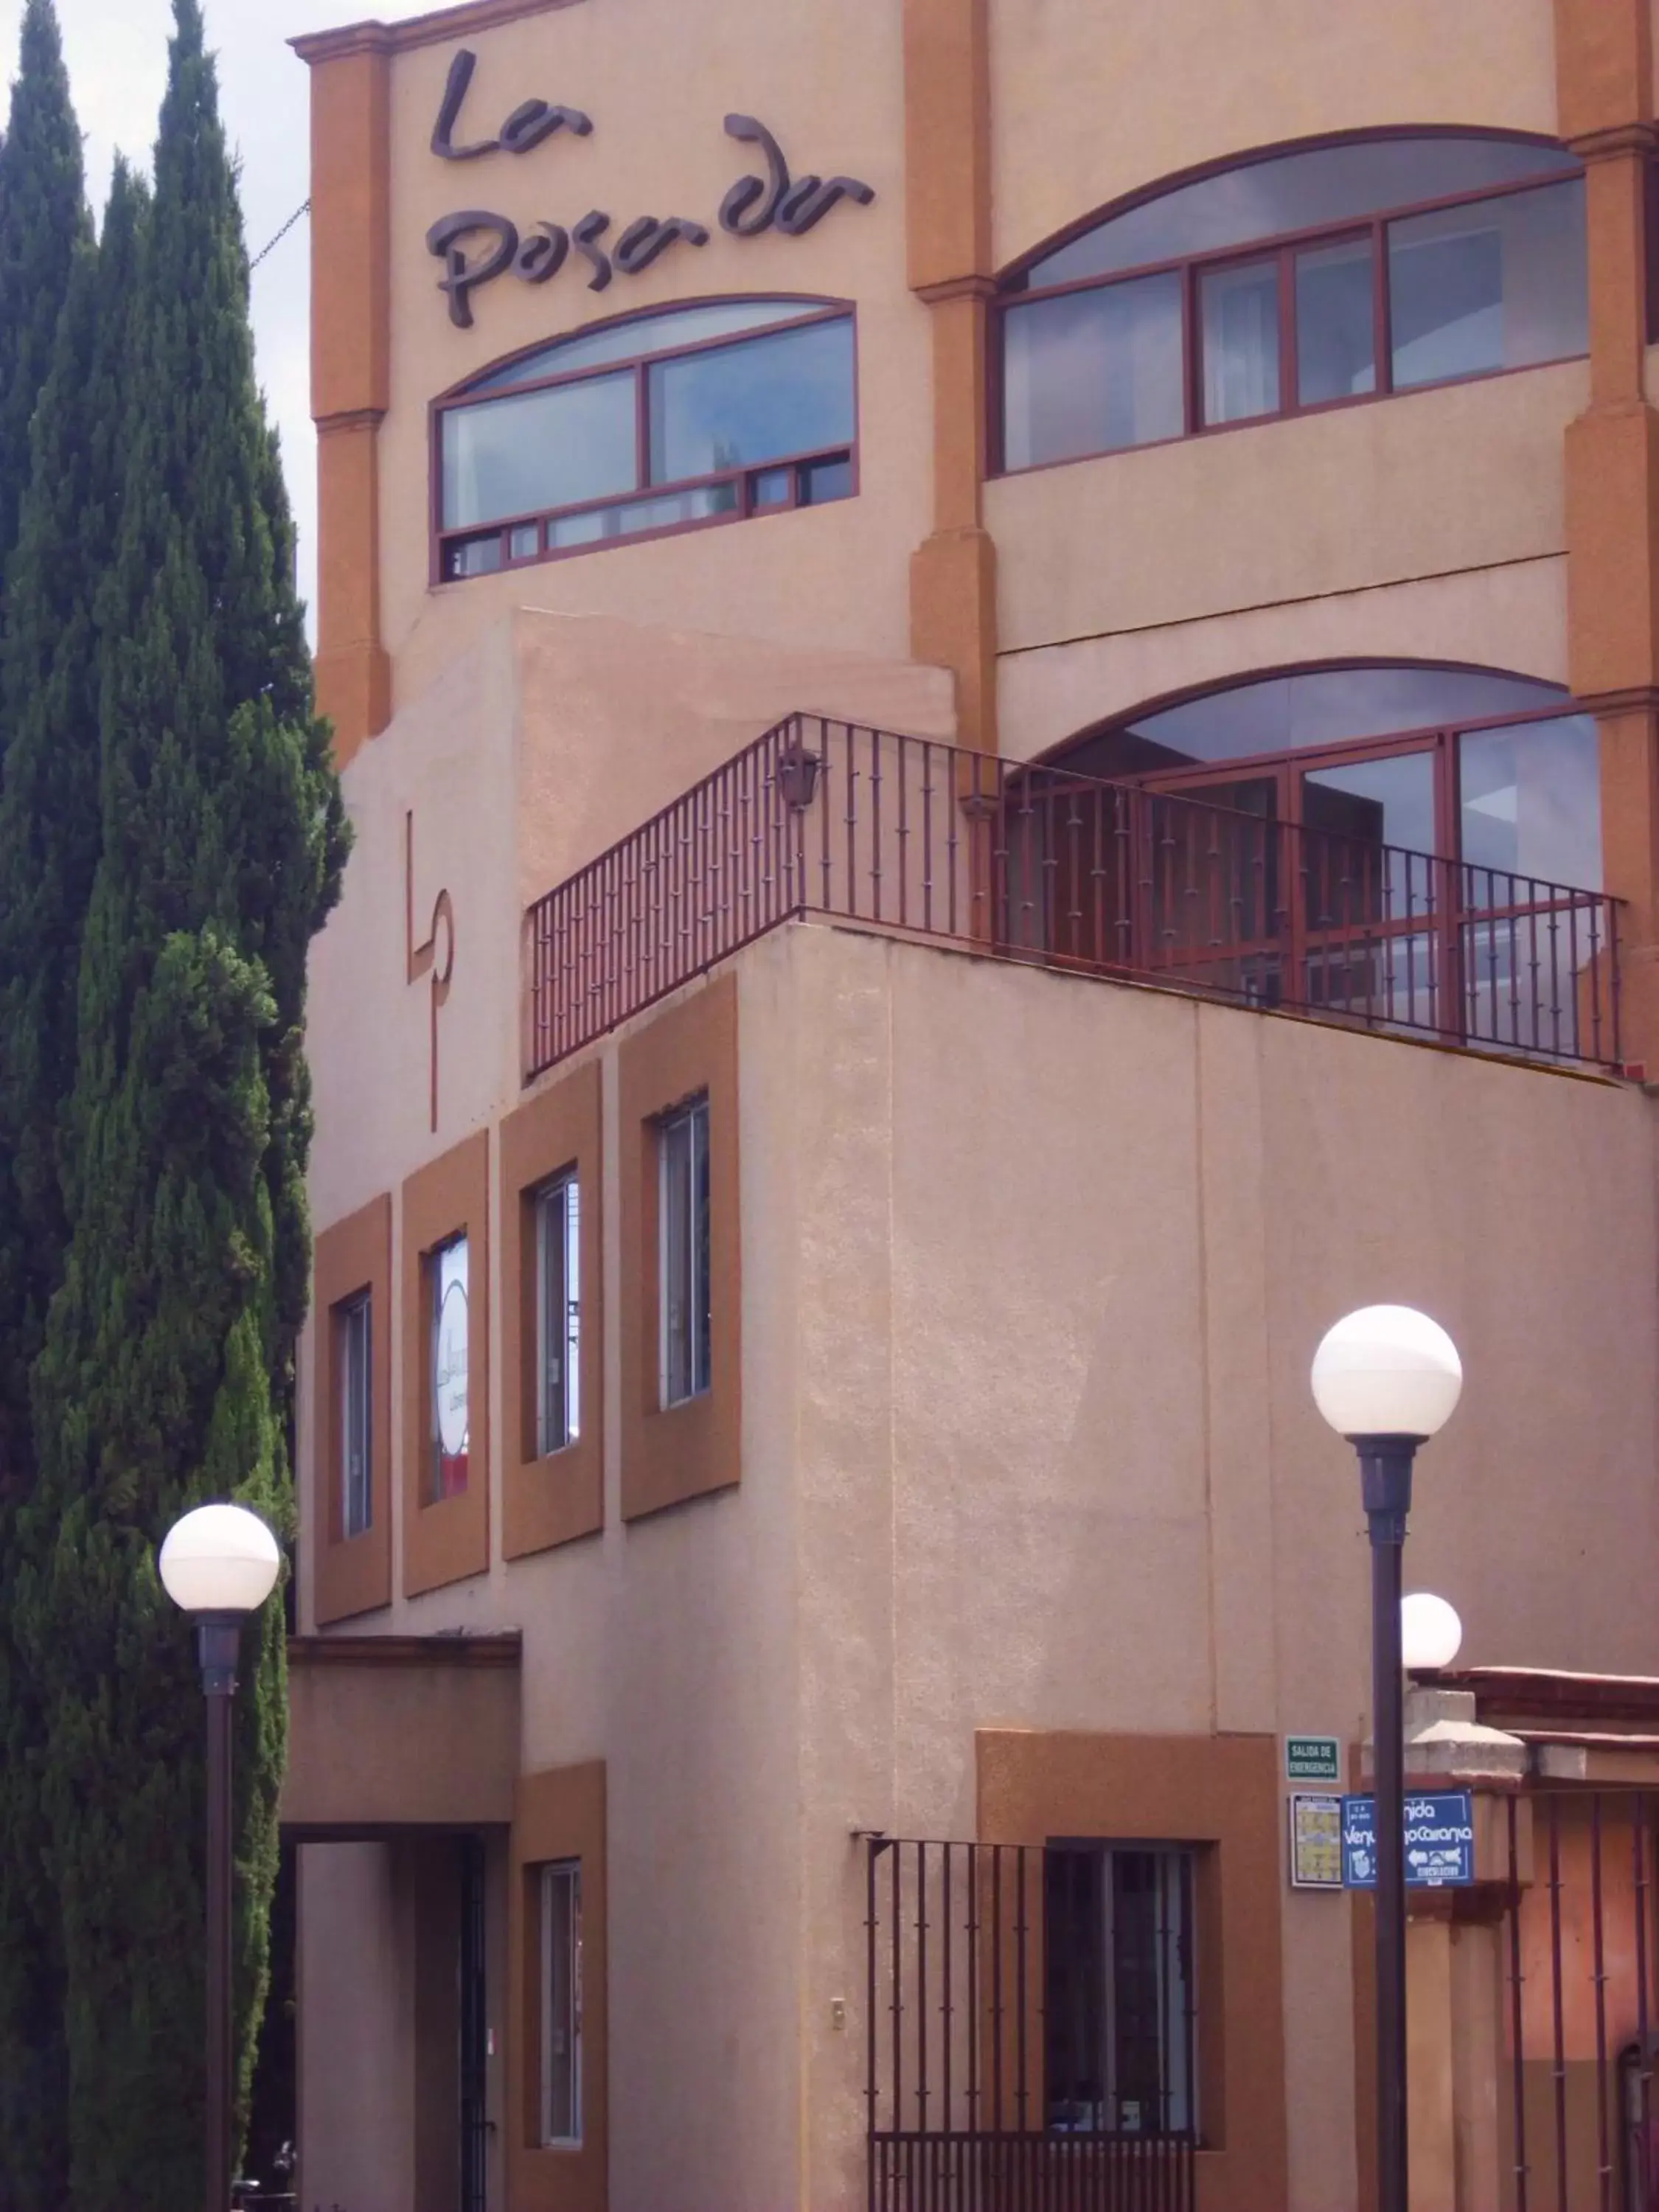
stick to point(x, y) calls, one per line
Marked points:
point(219, 1564)
point(1387, 1378)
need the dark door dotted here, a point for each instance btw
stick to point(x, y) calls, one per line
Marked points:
point(475, 2030)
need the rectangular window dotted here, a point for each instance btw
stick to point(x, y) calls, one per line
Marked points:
point(1335, 322)
point(539, 449)
point(1122, 2006)
point(450, 1432)
point(763, 399)
point(683, 1240)
point(1501, 284)
point(353, 1355)
point(1238, 316)
point(558, 1315)
point(562, 2001)
point(1092, 371)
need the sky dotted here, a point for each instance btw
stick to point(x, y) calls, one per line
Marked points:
point(117, 54)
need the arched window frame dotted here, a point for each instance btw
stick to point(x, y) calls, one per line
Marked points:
point(511, 529)
point(1013, 292)
point(1438, 738)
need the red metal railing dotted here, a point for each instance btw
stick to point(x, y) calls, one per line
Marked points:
point(924, 840)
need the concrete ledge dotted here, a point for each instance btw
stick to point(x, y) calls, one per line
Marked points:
point(391, 1733)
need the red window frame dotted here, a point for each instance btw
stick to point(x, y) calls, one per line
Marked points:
point(1283, 247)
point(746, 506)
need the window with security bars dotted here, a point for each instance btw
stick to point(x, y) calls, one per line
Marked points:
point(562, 2001)
point(558, 1314)
point(1122, 2008)
point(684, 1252)
point(354, 1341)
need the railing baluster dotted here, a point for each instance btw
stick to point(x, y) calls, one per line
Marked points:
point(1196, 895)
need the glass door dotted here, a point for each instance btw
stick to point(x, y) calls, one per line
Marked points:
point(1372, 918)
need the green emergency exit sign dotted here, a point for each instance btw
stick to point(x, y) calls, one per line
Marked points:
point(1312, 1758)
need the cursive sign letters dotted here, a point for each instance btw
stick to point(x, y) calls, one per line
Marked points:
point(529, 122)
point(476, 245)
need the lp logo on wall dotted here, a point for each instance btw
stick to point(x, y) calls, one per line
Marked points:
point(475, 244)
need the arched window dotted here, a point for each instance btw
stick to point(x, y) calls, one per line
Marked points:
point(662, 422)
point(1290, 282)
point(1472, 764)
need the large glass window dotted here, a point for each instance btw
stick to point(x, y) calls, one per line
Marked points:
point(450, 1434)
point(683, 1238)
point(1469, 251)
point(558, 1315)
point(665, 422)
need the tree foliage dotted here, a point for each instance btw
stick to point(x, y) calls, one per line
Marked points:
point(194, 848)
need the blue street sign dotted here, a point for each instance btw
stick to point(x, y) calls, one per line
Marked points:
point(1439, 1841)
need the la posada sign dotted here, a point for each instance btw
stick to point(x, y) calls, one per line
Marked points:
point(478, 244)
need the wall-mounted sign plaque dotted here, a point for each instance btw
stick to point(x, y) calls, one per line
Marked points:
point(1316, 1841)
point(1439, 1841)
point(1312, 1758)
point(478, 244)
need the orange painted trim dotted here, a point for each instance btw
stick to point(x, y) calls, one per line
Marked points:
point(353, 1573)
point(559, 1814)
point(1222, 1793)
point(430, 30)
point(445, 1540)
point(556, 1499)
point(687, 1450)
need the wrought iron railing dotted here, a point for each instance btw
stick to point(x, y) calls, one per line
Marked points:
point(1001, 2073)
point(925, 840)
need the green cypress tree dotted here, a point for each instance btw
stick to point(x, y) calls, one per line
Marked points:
point(50, 833)
point(167, 1373)
point(43, 218)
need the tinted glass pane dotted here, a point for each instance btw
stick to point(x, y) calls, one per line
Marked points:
point(1530, 801)
point(772, 488)
point(1335, 335)
point(792, 393)
point(822, 481)
point(543, 449)
point(1328, 184)
point(632, 516)
point(1349, 813)
point(1497, 285)
point(681, 326)
point(1238, 314)
point(1321, 706)
point(1092, 371)
point(478, 556)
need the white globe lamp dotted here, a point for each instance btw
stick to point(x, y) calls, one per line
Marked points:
point(220, 1559)
point(1431, 1633)
point(1387, 1371)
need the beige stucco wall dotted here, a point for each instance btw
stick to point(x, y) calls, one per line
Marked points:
point(1115, 100)
point(355, 1997)
point(1126, 576)
point(657, 79)
point(1061, 1255)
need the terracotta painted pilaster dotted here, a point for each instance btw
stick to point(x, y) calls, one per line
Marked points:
point(1604, 74)
point(351, 331)
point(948, 198)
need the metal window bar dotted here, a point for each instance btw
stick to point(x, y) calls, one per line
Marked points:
point(964, 1969)
point(1577, 2125)
point(912, 837)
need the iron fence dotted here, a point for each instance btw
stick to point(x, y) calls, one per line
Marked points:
point(925, 840)
point(1579, 2125)
point(1028, 2050)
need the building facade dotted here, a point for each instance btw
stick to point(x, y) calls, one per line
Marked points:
point(996, 666)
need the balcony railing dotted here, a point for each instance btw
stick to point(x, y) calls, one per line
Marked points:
point(923, 840)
